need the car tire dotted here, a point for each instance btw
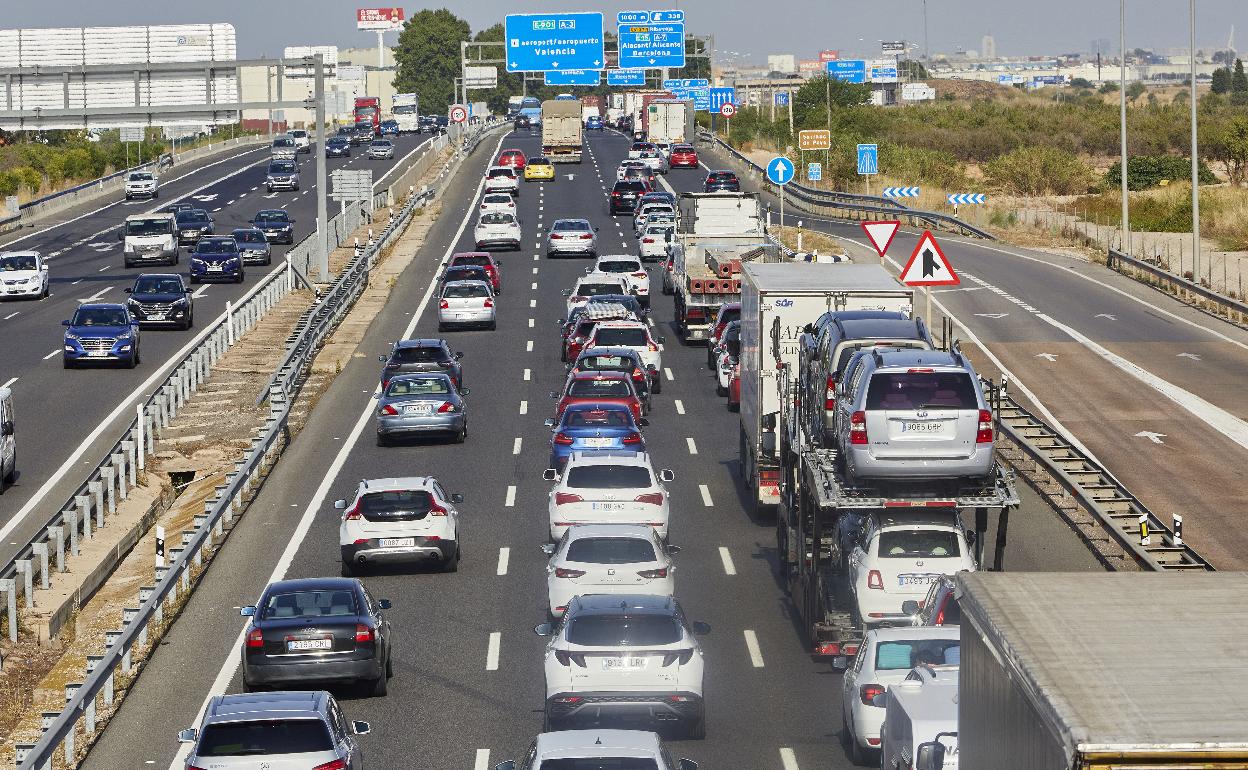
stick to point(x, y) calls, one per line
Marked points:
point(249, 687)
point(697, 730)
point(441, 327)
point(720, 390)
point(128, 263)
point(348, 569)
point(156, 196)
point(66, 363)
point(47, 291)
point(377, 688)
point(710, 357)
point(493, 325)
point(389, 664)
point(462, 435)
point(382, 441)
point(857, 754)
point(190, 322)
point(658, 386)
point(452, 564)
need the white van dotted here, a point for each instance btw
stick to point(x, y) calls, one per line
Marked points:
point(921, 721)
point(150, 238)
point(8, 442)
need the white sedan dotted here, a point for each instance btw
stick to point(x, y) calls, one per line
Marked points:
point(607, 559)
point(630, 269)
point(23, 274)
point(605, 487)
point(655, 241)
point(497, 230)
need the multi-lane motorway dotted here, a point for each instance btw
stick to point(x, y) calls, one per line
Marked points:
point(468, 687)
point(67, 418)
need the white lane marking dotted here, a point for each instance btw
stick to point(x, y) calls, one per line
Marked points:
point(10, 382)
point(668, 374)
point(751, 644)
point(200, 291)
point(510, 502)
point(530, 323)
point(102, 269)
point(232, 661)
point(693, 448)
point(680, 406)
point(788, 759)
point(57, 253)
point(528, 347)
point(482, 762)
point(726, 558)
point(53, 353)
point(706, 495)
point(535, 286)
point(11, 315)
point(532, 303)
point(524, 407)
point(528, 375)
point(515, 445)
point(504, 558)
point(535, 271)
point(491, 652)
point(75, 283)
point(97, 295)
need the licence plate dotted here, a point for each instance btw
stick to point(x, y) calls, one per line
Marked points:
point(915, 580)
point(599, 441)
point(623, 664)
point(461, 316)
point(397, 542)
point(215, 268)
point(418, 409)
point(97, 353)
point(607, 506)
point(301, 645)
point(922, 427)
point(157, 316)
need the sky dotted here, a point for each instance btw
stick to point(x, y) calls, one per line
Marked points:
point(801, 27)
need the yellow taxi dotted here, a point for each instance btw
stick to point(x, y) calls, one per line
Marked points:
point(539, 168)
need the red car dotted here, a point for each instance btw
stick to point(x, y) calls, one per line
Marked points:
point(624, 360)
point(576, 338)
point(728, 312)
point(482, 259)
point(513, 158)
point(596, 387)
point(683, 156)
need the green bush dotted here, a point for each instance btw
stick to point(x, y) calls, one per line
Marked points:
point(1039, 171)
point(1147, 171)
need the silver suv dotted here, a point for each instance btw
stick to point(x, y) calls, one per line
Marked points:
point(283, 174)
point(275, 729)
point(913, 415)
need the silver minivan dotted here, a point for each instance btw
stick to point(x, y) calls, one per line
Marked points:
point(8, 442)
point(275, 730)
point(913, 415)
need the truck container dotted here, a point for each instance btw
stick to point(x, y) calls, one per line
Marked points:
point(406, 111)
point(562, 131)
point(478, 110)
point(8, 441)
point(669, 121)
point(1093, 671)
point(591, 106)
point(635, 103)
point(513, 105)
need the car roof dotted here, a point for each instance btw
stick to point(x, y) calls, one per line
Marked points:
point(468, 281)
point(288, 703)
point(881, 327)
point(158, 275)
point(313, 584)
point(595, 374)
point(272, 211)
point(101, 306)
point(610, 604)
point(893, 633)
point(609, 350)
point(594, 406)
point(639, 531)
point(925, 518)
point(21, 253)
point(911, 357)
point(616, 257)
point(585, 744)
point(459, 254)
point(420, 343)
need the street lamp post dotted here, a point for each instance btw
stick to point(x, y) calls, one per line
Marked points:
point(1122, 121)
point(1195, 153)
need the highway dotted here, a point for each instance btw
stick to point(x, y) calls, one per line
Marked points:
point(66, 419)
point(468, 689)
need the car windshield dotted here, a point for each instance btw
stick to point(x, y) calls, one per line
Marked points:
point(921, 390)
point(466, 273)
point(152, 285)
point(423, 355)
point(539, 162)
point(192, 217)
point(149, 226)
point(609, 477)
point(284, 142)
point(598, 418)
point(918, 544)
point(249, 236)
point(497, 218)
point(272, 217)
point(330, 603)
point(338, 141)
point(610, 388)
point(216, 246)
point(624, 630)
point(465, 290)
point(419, 386)
point(597, 289)
point(630, 186)
point(264, 737)
point(566, 225)
point(905, 654)
point(282, 168)
point(663, 232)
point(100, 316)
point(626, 337)
point(498, 198)
point(497, 172)
point(18, 262)
point(589, 363)
point(610, 550)
point(381, 143)
point(140, 176)
point(619, 266)
point(600, 763)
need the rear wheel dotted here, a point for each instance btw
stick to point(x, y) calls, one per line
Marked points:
point(378, 687)
point(348, 569)
point(697, 730)
point(452, 564)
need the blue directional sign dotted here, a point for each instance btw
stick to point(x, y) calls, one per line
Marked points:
point(701, 99)
point(782, 98)
point(849, 70)
point(722, 96)
point(626, 77)
point(573, 78)
point(651, 38)
point(541, 42)
point(814, 171)
point(868, 159)
point(667, 17)
point(685, 83)
point(780, 170)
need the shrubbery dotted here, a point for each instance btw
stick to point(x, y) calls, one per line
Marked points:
point(1146, 171)
point(1039, 171)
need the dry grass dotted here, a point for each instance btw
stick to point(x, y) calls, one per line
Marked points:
point(811, 240)
point(1223, 212)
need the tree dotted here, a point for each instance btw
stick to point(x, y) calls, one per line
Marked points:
point(427, 55)
point(1135, 90)
point(810, 102)
point(1239, 85)
point(1231, 147)
point(1080, 83)
point(1107, 88)
point(910, 69)
point(1221, 80)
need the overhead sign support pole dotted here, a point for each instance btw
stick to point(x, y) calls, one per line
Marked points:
point(322, 206)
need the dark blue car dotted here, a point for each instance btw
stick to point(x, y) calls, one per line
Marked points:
point(389, 128)
point(217, 258)
point(593, 426)
point(101, 332)
point(338, 147)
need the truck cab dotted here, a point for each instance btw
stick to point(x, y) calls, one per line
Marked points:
point(8, 440)
point(150, 239)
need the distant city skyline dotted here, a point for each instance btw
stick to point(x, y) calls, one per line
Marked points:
point(799, 27)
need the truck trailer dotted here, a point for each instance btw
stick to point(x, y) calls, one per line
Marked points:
point(562, 131)
point(669, 121)
point(406, 111)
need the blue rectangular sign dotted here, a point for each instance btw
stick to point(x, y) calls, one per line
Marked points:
point(849, 70)
point(626, 77)
point(814, 172)
point(652, 45)
point(782, 98)
point(685, 83)
point(573, 77)
point(554, 41)
point(650, 17)
point(868, 159)
point(701, 99)
point(721, 96)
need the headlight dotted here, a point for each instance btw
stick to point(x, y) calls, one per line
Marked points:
point(71, 336)
point(181, 301)
point(196, 261)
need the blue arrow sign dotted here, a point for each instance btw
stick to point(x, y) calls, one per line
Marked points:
point(626, 77)
point(780, 170)
point(782, 98)
point(849, 70)
point(962, 199)
point(814, 171)
point(901, 192)
point(722, 96)
point(573, 78)
point(652, 43)
point(868, 159)
point(542, 42)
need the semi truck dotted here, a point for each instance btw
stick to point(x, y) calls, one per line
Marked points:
point(669, 121)
point(368, 110)
point(591, 106)
point(406, 110)
point(562, 131)
point(1101, 670)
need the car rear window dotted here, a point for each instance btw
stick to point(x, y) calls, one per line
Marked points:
point(418, 386)
point(419, 355)
point(498, 198)
point(624, 630)
point(918, 544)
point(497, 172)
point(588, 363)
point(338, 602)
point(264, 737)
point(905, 654)
point(565, 225)
point(632, 338)
point(612, 388)
point(921, 390)
point(609, 477)
point(472, 259)
point(630, 186)
point(465, 273)
point(598, 418)
point(610, 550)
point(597, 289)
point(601, 763)
point(398, 505)
point(619, 266)
point(466, 291)
point(497, 218)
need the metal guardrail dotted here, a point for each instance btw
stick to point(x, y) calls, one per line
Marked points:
point(1125, 263)
point(852, 202)
point(230, 498)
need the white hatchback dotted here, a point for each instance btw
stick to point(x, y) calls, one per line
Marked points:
point(655, 242)
point(622, 170)
point(497, 202)
point(502, 179)
point(605, 487)
point(23, 274)
point(497, 230)
point(607, 559)
point(466, 303)
point(633, 335)
point(630, 269)
point(399, 520)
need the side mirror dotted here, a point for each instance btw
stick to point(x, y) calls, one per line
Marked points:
point(122, 237)
point(382, 359)
point(561, 321)
point(588, 270)
point(840, 662)
point(662, 340)
point(360, 727)
point(508, 765)
point(880, 700)
point(457, 497)
point(971, 537)
point(465, 392)
point(6, 428)
point(188, 735)
point(550, 474)
point(549, 548)
point(128, 290)
point(687, 764)
point(554, 394)
point(566, 292)
point(910, 607)
point(652, 368)
point(544, 629)
point(247, 612)
point(377, 395)
point(666, 475)
point(700, 628)
point(549, 422)
point(930, 756)
point(643, 422)
point(340, 504)
point(595, 229)
point(385, 604)
point(65, 323)
point(459, 356)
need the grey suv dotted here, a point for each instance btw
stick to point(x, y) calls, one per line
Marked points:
point(283, 174)
point(275, 729)
point(913, 415)
point(826, 347)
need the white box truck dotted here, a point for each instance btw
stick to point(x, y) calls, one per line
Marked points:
point(150, 238)
point(8, 440)
point(669, 121)
point(406, 111)
point(921, 710)
point(778, 299)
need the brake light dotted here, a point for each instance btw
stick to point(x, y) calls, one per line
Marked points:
point(650, 498)
point(389, 409)
point(489, 302)
point(353, 513)
point(683, 657)
point(364, 634)
point(561, 572)
point(447, 406)
point(615, 194)
point(579, 298)
point(563, 498)
point(337, 764)
point(562, 439)
point(874, 580)
point(651, 346)
point(647, 240)
point(632, 438)
point(436, 510)
point(556, 237)
point(444, 304)
point(653, 573)
point(639, 275)
point(637, 375)
point(940, 617)
point(984, 434)
point(919, 371)
point(255, 639)
point(858, 428)
point(585, 236)
point(868, 692)
point(829, 396)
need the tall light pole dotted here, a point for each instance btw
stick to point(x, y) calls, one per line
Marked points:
point(927, 52)
point(1122, 121)
point(1195, 154)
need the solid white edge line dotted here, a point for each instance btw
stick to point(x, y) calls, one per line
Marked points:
point(491, 652)
point(751, 645)
point(232, 660)
point(504, 559)
point(725, 556)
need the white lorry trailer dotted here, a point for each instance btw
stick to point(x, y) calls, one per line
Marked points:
point(406, 111)
point(670, 121)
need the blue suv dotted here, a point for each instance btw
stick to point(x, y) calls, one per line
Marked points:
point(593, 123)
point(217, 257)
point(101, 332)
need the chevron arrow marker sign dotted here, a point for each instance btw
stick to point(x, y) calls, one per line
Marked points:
point(901, 192)
point(961, 199)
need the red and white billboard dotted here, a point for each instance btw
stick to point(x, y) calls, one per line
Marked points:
point(378, 18)
point(809, 66)
point(829, 55)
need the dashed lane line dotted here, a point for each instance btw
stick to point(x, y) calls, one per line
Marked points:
point(528, 375)
point(726, 557)
point(491, 652)
point(53, 353)
point(528, 346)
point(751, 644)
point(788, 759)
point(515, 445)
point(482, 761)
point(668, 374)
point(706, 495)
point(510, 502)
point(524, 407)
point(680, 406)
point(504, 558)
point(693, 448)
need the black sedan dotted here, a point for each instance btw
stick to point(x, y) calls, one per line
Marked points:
point(276, 225)
point(722, 181)
point(422, 355)
point(314, 631)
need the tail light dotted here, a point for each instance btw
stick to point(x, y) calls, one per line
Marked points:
point(875, 580)
point(489, 302)
point(563, 498)
point(353, 513)
point(444, 304)
point(255, 639)
point(564, 657)
point(867, 693)
point(677, 656)
point(615, 193)
point(650, 498)
point(651, 574)
point(389, 410)
point(632, 438)
point(639, 275)
point(829, 396)
point(364, 634)
point(647, 240)
point(556, 237)
point(436, 510)
point(579, 298)
point(858, 428)
point(637, 375)
point(586, 236)
point(653, 348)
point(563, 439)
point(561, 572)
point(447, 406)
point(918, 370)
point(337, 764)
point(984, 434)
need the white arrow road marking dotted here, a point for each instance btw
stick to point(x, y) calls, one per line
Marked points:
point(271, 195)
point(206, 198)
point(96, 296)
point(101, 245)
point(1105, 315)
point(991, 315)
point(570, 177)
point(200, 291)
point(1192, 356)
point(1050, 357)
point(1156, 438)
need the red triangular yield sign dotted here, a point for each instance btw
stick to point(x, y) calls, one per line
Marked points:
point(881, 234)
point(928, 265)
